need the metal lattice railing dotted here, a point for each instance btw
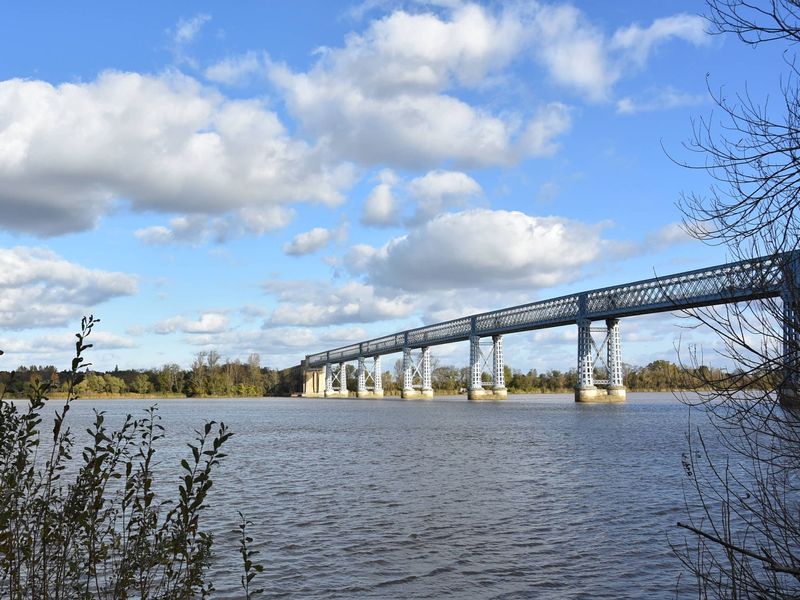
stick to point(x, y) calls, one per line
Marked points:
point(549, 313)
point(733, 282)
point(440, 333)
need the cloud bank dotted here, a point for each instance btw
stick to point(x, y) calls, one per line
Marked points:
point(38, 288)
point(163, 144)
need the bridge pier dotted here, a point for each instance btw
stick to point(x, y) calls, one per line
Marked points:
point(329, 391)
point(313, 381)
point(408, 390)
point(586, 389)
point(336, 377)
point(343, 393)
point(365, 375)
point(427, 388)
point(616, 388)
point(422, 369)
point(361, 378)
point(476, 391)
point(498, 376)
point(377, 377)
point(789, 391)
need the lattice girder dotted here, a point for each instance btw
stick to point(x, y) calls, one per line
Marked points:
point(733, 282)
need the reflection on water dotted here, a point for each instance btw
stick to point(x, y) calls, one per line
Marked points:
point(535, 497)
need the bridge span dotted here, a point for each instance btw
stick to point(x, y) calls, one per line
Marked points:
point(324, 373)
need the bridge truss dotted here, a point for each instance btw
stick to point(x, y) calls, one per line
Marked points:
point(733, 282)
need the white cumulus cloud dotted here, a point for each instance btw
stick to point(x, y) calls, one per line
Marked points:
point(60, 345)
point(308, 303)
point(579, 55)
point(382, 98)
point(479, 248)
point(573, 50)
point(236, 69)
point(39, 288)
point(439, 190)
point(313, 240)
point(198, 229)
point(163, 143)
point(207, 323)
point(381, 208)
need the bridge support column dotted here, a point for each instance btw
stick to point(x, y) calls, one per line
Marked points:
point(498, 376)
point(343, 380)
point(616, 387)
point(789, 392)
point(361, 378)
point(329, 391)
point(427, 388)
point(585, 390)
point(475, 391)
point(313, 382)
point(365, 375)
point(408, 375)
point(377, 377)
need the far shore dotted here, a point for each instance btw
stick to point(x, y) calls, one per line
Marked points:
point(173, 396)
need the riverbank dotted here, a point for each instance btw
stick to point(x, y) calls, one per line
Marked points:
point(437, 393)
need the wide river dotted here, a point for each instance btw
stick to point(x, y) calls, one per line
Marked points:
point(534, 497)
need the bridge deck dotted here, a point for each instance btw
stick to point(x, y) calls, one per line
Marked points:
point(721, 284)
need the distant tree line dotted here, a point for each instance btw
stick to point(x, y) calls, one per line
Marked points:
point(210, 375)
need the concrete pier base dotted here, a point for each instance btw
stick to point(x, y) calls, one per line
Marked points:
point(499, 393)
point(427, 393)
point(616, 393)
point(598, 395)
point(410, 394)
point(476, 394)
point(313, 382)
point(369, 394)
point(588, 394)
point(483, 395)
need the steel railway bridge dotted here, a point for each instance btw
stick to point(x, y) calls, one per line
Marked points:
point(324, 373)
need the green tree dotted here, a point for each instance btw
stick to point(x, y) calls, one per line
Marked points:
point(170, 378)
point(216, 381)
point(113, 385)
point(198, 378)
point(141, 384)
point(255, 379)
point(388, 383)
point(446, 378)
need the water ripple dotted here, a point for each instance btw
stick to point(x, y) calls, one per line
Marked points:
point(531, 498)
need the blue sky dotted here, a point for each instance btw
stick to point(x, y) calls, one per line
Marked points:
point(283, 178)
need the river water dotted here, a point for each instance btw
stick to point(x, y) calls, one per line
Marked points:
point(534, 497)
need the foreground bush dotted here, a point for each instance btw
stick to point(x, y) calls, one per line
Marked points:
point(93, 527)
